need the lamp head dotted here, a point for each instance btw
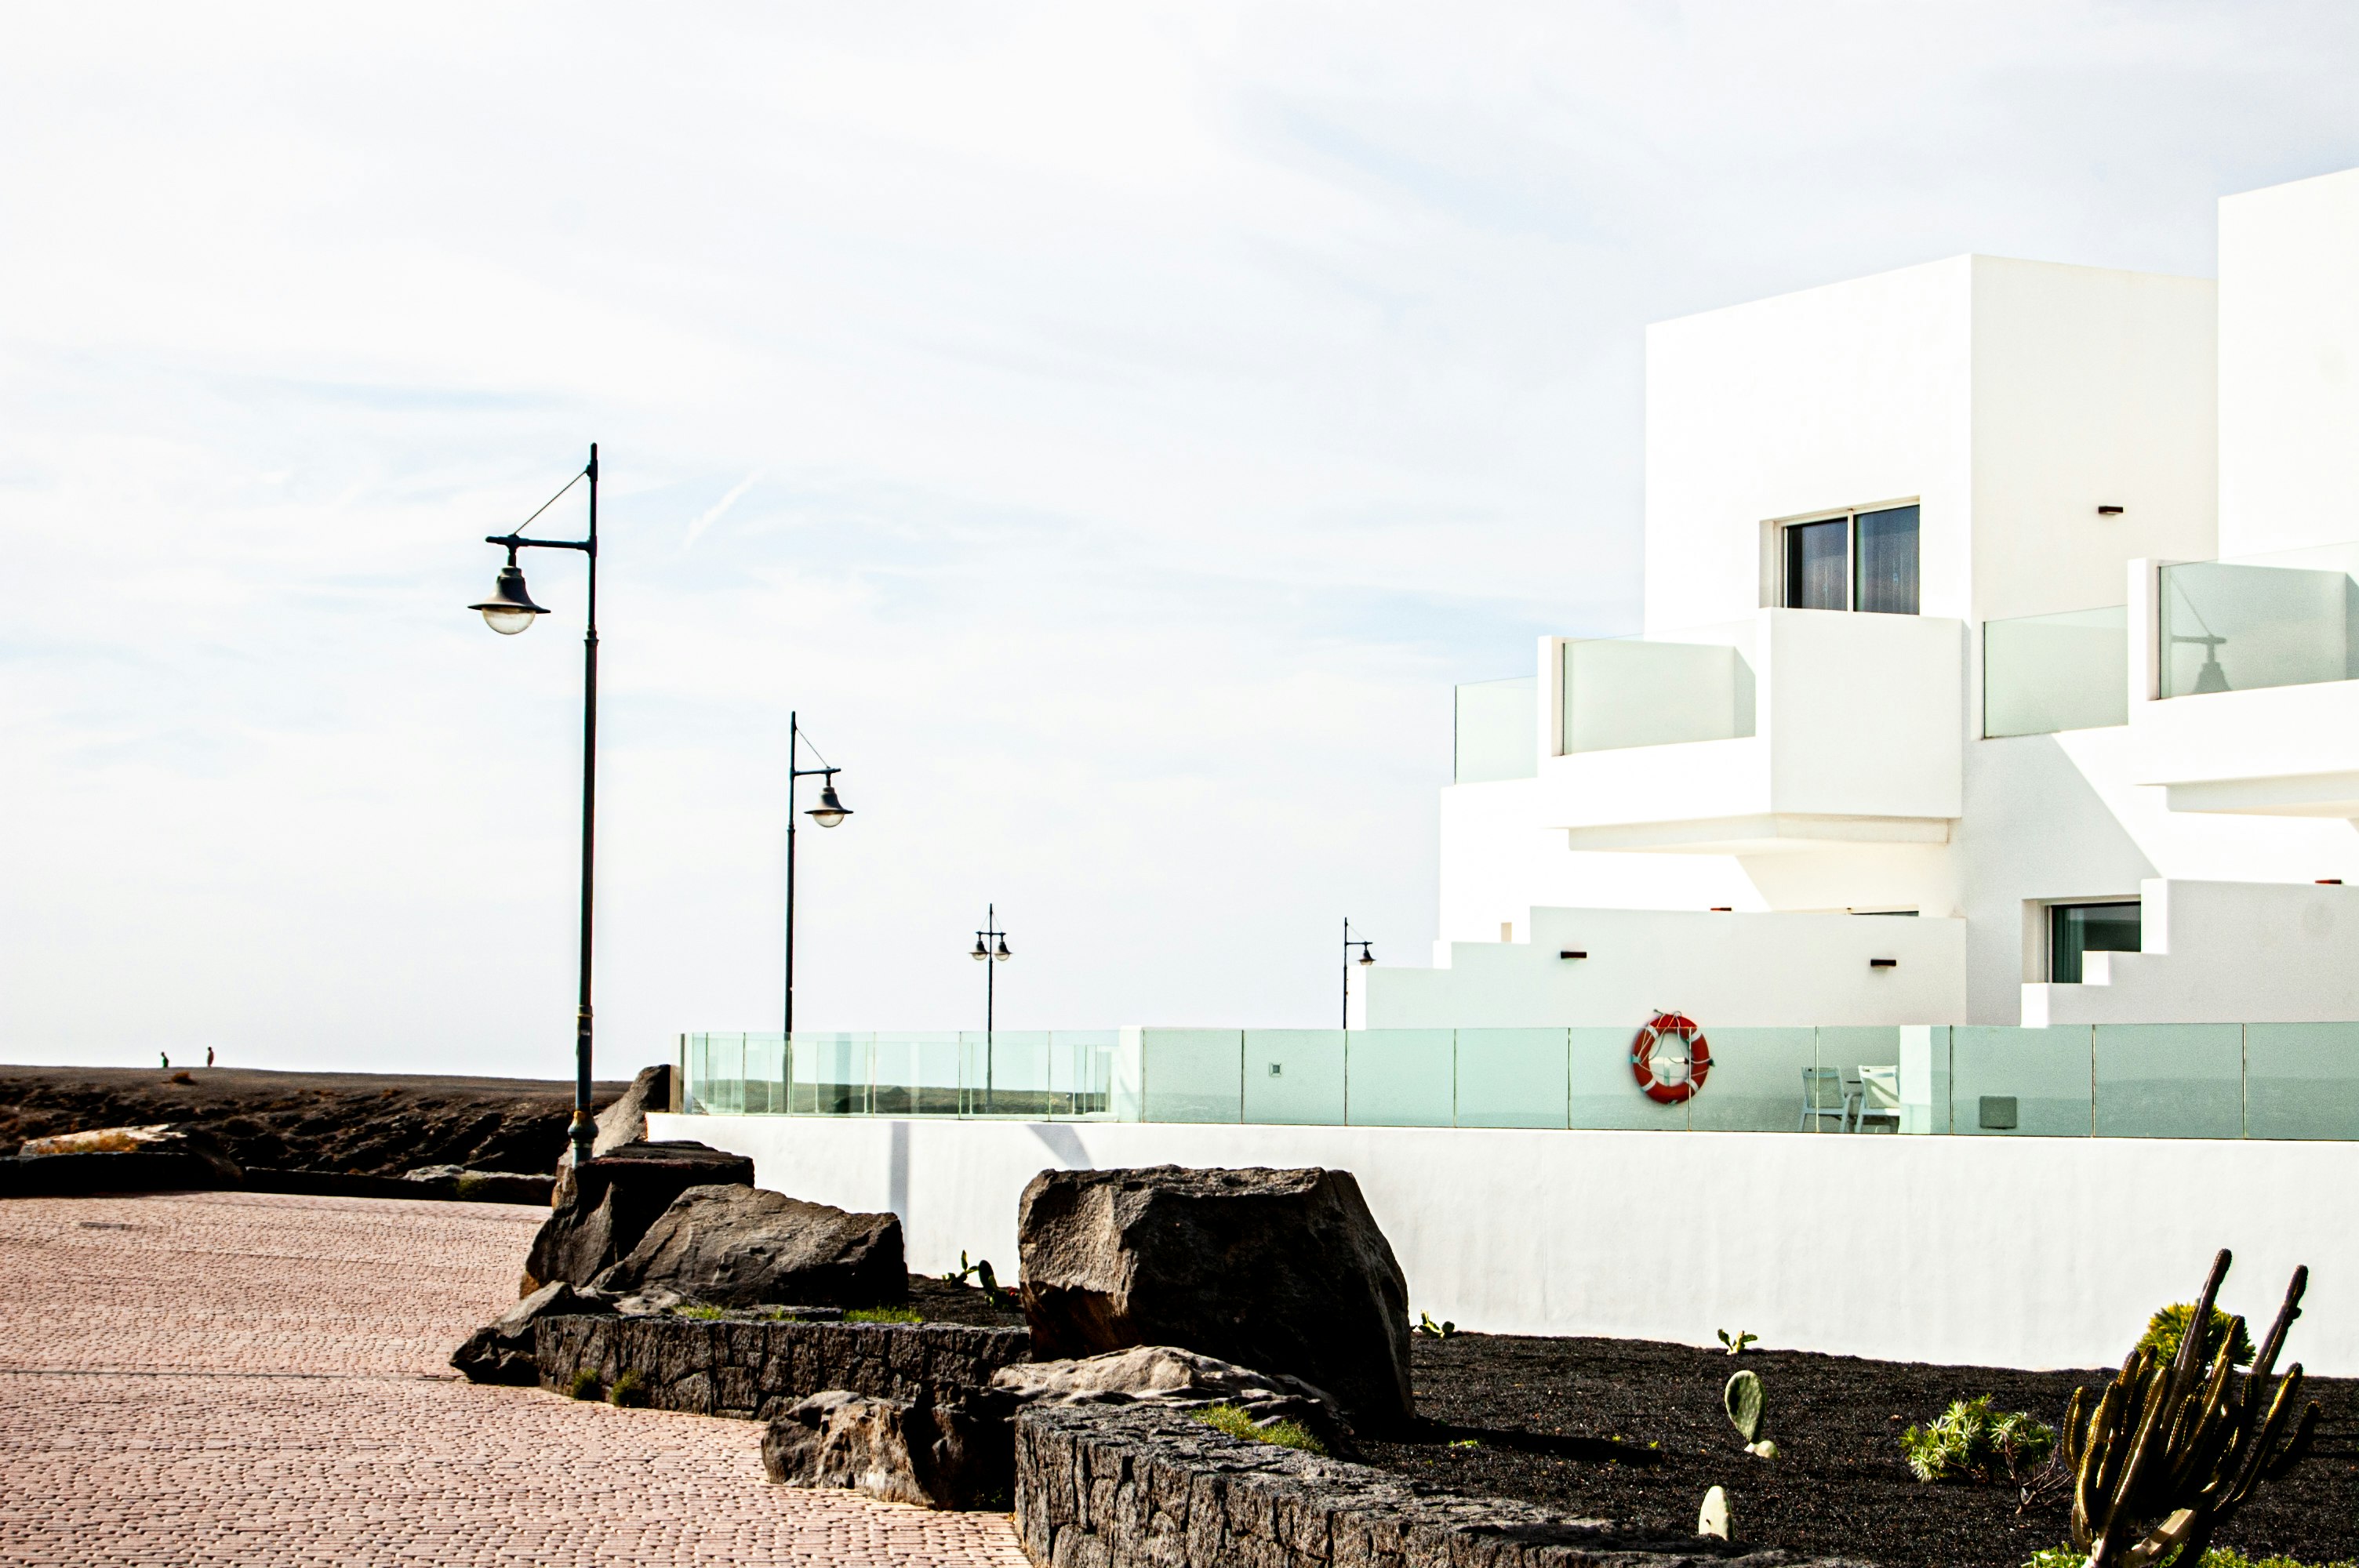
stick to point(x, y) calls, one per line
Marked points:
point(1367, 954)
point(510, 608)
point(981, 952)
point(829, 810)
point(1003, 955)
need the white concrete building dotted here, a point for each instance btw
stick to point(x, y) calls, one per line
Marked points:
point(2016, 599)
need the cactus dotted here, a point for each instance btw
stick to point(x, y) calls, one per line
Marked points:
point(1713, 1518)
point(1736, 1345)
point(1426, 1325)
point(1742, 1397)
point(2170, 1451)
point(981, 1271)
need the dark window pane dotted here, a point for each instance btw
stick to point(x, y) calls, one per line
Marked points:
point(1815, 563)
point(2077, 928)
point(1887, 561)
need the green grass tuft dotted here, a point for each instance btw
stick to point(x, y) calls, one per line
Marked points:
point(2217, 1557)
point(585, 1385)
point(702, 1313)
point(884, 1315)
point(1234, 1423)
point(1971, 1442)
point(630, 1391)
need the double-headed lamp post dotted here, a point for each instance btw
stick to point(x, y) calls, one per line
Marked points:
point(1367, 957)
point(990, 958)
point(829, 813)
point(509, 611)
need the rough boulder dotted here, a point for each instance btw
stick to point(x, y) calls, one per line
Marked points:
point(502, 1352)
point(613, 1198)
point(1166, 1375)
point(1283, 1270)
point(732, 1246)
point(945, 1455)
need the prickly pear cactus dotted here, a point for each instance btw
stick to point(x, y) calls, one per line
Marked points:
point(1742, 1397)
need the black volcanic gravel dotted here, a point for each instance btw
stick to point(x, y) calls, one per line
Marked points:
point(1634, 1430)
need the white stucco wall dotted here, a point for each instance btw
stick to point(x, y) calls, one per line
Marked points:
point(2289, 365)
point(2021, 1253)
point(1721, 969)
point(2221, 953)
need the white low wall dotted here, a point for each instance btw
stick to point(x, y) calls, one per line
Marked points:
point(1991, 1252)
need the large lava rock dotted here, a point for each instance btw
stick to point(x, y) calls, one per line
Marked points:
point(622, 1123)
point(1283, 1270)
point(613, 1198)
point(1166, 1375)
point(949, 1455)
point(502, 1352)
point(163, 1158)
point(732, 1246)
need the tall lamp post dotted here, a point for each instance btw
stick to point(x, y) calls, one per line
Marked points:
point(509, 611)
point(829, 813)
point(990, 958)
point(1366, 958)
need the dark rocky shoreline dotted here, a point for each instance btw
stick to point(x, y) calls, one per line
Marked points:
point(367, 1124)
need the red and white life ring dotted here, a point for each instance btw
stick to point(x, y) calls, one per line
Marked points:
point(1670, 1058)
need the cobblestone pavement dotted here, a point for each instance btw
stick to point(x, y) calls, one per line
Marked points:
point(243, 1379)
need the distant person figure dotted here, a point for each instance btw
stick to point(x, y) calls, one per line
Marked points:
point(167, 1055)
point(209, 1056)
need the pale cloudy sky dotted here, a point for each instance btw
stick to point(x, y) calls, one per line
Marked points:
point(1114, 427)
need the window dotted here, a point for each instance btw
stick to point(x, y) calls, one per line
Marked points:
point(1861, 560)
point(2074, 929)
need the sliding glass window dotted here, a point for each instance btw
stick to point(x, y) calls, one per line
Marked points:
point(2074, 929)
point(1861, 560)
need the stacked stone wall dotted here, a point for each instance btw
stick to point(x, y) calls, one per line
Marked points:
point(754, 1370)
point(1111, 1486)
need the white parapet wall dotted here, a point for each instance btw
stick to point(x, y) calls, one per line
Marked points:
point(1988, 1251)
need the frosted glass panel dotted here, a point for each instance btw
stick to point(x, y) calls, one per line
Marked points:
point(1632, 693)
point(1497, 731)
point(1511, 1077)
point(1193, 1075)
point(2234, 626)
point(1756, 1081)
point(2045, 673)
point(2028, 1083)
point(2170, 1080)
point(831, 1073)
point(1294, 1075)
point(2301, 1080)
point(1399, 1077)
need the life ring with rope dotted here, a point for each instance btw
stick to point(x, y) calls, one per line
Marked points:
point(1670, 1058)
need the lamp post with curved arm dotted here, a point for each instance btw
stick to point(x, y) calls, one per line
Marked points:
point(510, 610)
point(1367, 955)
point(829, 813)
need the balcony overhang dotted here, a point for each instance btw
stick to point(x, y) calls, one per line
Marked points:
point(1764, 833)
point(2289, 750)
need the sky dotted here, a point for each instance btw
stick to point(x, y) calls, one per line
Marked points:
point(1111, 427)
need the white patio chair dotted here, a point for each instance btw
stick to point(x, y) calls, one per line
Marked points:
point(1879, 1097)
point(1824, 1094)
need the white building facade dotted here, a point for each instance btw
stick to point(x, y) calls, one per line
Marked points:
point(2001, 666)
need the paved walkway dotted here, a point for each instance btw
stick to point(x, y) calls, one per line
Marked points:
point(241, 1379)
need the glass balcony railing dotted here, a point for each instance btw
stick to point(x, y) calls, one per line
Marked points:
point(2282, 619)
point(2045, 673)
point(1656, 691)
point(2203, 1080)
point(1497, 731)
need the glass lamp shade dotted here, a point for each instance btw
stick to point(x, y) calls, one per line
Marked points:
point(1366, 958)
point(1003, 955)
point(829, 810)
point(981, 952)
point(510, 608)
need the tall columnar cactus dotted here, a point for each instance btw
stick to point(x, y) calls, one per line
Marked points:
point(2172, 1450)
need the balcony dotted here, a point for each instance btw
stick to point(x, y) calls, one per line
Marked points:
point(1790, 729)
point(2252, 668)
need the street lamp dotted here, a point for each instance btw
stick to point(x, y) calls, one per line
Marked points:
point(990, 959)
point(509, 611)
point(829, 813)
point(1366, 958)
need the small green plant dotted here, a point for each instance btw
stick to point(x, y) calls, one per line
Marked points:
point(2216, 1557)
point(585, 1385)
point(1235, 1422)
point(1433, 1330)
point(1736, 1345)
point(980, 1270)
point(884, 1315)
point(630, 1391)
point(1743, 1400)
point(1969, 1442)
point(1467, 1442)
point(2166, 1328)
point(700, 1312)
